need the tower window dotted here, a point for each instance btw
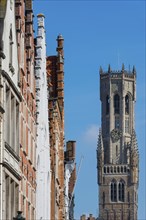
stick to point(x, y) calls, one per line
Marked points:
point(107, 104)
point(121, 191)
point(113, 191)
point(117, 104)
point(117, 122)
point(127, 104)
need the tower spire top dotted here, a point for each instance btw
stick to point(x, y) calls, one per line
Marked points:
point(109, 68)
point(123, 67)
point(100, 70)
point(134, 70)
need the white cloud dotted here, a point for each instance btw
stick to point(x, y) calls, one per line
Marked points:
point(91, 134)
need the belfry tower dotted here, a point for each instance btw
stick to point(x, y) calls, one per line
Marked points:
point(117, 151)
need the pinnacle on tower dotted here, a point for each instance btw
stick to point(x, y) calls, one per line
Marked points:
point(134, 70)
point(109, 69)
point(100, 70)
point(100, 142)
point(134, 145)
point(123, 67)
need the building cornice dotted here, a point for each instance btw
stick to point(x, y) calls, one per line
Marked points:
point(7, 166)
point(8, 78)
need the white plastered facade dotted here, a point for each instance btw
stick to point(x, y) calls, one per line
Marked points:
point(43, 148)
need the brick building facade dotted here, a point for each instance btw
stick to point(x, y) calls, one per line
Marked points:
point(28, 112)
point(55, 74)
point(55, 71)
point(25, 40)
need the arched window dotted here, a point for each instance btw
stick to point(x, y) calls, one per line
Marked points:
point(107, 169)
point(107, 104)
point(117, 104)
point(121, 190)
point(111, 169)
point(113, 191)
point(126, 104)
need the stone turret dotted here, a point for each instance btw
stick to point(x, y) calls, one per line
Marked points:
point(134, 158)
point(100, 157)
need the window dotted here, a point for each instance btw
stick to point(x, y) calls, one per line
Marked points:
point(121, 191)
point(117, 122)
point(107, 104)
point(113, 191)
point(117, 104)
point(126, 104)
point(115, 170)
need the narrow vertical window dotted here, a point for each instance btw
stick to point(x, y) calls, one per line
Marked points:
point(113, 191)
point(107, 105)
point(117, 104)
point(117, 122)
point(121, 191)
point(126, 104)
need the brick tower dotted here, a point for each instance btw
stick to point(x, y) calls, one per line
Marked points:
point(117, 152)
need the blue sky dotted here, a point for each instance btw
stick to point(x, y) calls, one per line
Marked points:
point(96, 33)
